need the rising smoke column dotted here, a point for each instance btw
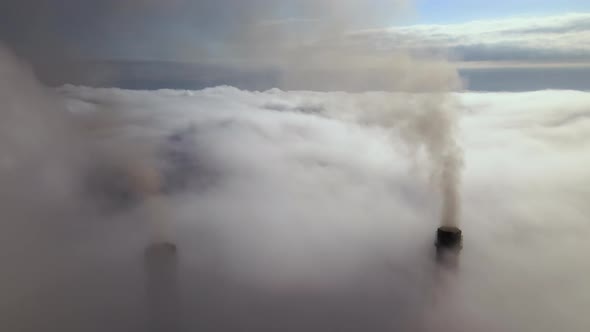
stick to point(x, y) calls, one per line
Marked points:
point(326, 55)
point(427, 123)
point(434, 126)
point(335, 59)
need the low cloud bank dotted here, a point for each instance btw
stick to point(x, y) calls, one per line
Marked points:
point(295, 210)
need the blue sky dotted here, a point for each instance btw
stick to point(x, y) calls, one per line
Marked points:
point(456, 11)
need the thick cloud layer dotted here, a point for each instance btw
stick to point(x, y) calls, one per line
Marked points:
point(299, 210)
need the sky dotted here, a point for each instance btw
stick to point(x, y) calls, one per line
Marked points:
point(147, 44)
point(458, 11)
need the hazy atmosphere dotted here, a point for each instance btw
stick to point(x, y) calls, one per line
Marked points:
point(263, 44)
point(290, 162)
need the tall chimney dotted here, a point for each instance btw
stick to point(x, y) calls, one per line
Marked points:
point(161, 262)
point(449, 237)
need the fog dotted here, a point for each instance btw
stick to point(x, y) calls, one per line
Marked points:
point(291, 210)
